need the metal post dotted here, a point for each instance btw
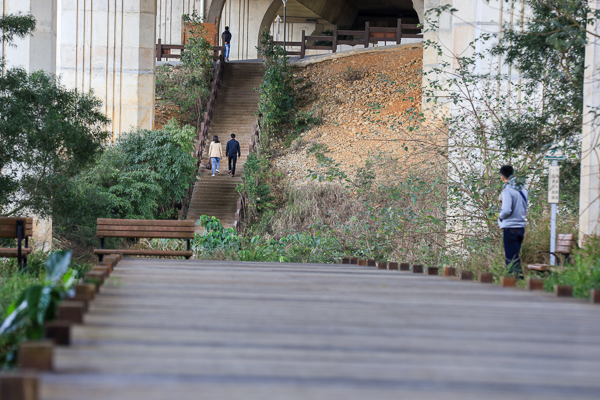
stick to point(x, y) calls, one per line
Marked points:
point(284, 26)
point(278, 19)
point(553, 227)
point(101, 256)
point(20, 229)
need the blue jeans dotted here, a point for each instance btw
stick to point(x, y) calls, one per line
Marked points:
point(513, 239)
point(217, 160)
point(227, 45)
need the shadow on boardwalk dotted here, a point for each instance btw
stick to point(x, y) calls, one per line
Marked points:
point(170, 329)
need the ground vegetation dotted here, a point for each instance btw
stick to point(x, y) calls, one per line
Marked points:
point(29, 298)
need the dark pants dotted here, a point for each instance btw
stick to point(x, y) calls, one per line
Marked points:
point(513, 239)
point(232, 162)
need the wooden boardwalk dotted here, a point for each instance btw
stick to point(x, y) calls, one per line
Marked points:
point(177, 330)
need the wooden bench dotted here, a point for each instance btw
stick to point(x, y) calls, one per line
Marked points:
point(148, 229)
point(564, 247)
point(20, 229)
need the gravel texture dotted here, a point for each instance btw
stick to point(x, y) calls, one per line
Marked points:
point(363, 102)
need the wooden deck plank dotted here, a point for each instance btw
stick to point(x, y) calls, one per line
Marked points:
point(186, 329)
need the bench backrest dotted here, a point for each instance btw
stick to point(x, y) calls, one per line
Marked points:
point(8, 227)
point(140, 228)
point(566, 243)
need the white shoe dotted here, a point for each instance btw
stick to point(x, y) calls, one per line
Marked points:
point(213, 174)
point(218, 171)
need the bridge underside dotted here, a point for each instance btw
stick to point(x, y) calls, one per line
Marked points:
point(247, 19)
point(108, 46)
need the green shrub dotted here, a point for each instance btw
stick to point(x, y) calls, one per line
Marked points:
point(215, 236)
point(302, 247)
point(144, 175)
point(188, 86)
point(584, 272)
point(277, 97)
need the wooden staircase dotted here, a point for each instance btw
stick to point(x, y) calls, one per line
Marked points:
point(235, 112)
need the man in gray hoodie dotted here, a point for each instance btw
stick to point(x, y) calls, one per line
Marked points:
point(512, 218)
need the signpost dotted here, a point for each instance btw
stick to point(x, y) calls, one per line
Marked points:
point(555, 154)
point(284, 27)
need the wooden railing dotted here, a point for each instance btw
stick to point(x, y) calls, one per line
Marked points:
point(370, 35)
point(163, 51)
point(251, 149)
point(203, 133)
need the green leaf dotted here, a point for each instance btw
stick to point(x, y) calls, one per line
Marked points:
point(58, 264)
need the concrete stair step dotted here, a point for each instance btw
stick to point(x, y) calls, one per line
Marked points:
point(235, 112)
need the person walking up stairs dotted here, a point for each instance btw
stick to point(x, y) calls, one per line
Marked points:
point(235, 112)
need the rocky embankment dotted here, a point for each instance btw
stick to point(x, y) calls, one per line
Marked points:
point(364, 102)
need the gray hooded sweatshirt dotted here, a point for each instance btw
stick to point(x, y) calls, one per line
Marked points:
point(514, 205)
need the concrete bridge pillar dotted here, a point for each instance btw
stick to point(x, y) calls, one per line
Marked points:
point(108, 46)
point(589, 200)
point(38, 51)
point(35, 52)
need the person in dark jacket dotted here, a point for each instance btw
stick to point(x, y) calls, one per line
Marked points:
point(233, 152)
point(226, 36)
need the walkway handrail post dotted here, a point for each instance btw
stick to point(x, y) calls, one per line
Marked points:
point(399, 31)
point(367, 34)
point(335, 39)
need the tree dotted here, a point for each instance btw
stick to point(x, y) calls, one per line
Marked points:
point(47, 133)
point(144, 175)
point(548, 49)
point(277, 98)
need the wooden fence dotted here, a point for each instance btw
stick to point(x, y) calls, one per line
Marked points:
point(370, 35)
point(203, 132)
point(164, 51)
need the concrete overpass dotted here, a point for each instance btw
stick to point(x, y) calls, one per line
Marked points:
point(108, 46)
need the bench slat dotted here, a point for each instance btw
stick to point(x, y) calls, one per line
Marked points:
point(142, 222)
point(173, 253)
point(563, 249)
point(13, 228)
point(6, 235)
point(148, 228)
point(538, 267)
point(141, 234)
point(12, 252)
point(565, 236)
point(9, 220)
point(569, 243)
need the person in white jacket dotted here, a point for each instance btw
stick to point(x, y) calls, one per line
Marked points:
point(215, 152)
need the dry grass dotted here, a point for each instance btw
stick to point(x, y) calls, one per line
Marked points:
point(323, 203)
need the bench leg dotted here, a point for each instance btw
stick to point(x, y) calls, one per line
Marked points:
point(20, 228)
point(188, 248)
point(100, 256)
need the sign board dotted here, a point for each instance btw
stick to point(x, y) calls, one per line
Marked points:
point(554, 153)
point(553, 190)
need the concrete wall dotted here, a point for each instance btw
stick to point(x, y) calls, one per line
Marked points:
point(245, 20)
point(456, 32)
point(474, 18)
point(36, 52)
point(589, 202)
point(108, 46)
point(169, 17)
